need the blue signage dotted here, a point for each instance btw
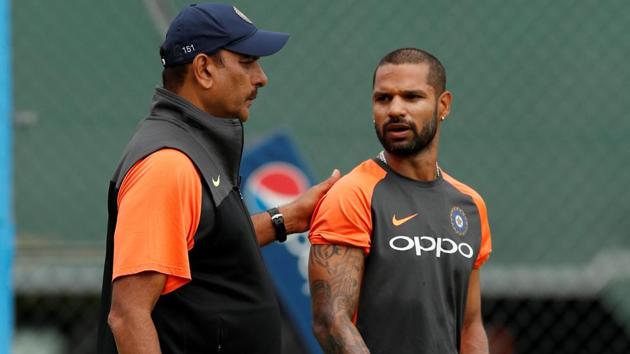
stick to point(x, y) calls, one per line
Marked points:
point(273, 174)
point(6, 166)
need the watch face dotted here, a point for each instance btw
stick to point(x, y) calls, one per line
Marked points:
point(277, 220)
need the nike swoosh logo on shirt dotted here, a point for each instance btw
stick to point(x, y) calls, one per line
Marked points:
point(398, 222)
point(217, 181)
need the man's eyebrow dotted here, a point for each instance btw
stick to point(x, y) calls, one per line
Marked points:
point(380, 94)
point(402, 92)
point(414, 92)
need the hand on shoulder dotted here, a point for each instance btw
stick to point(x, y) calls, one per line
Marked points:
point(297, 214)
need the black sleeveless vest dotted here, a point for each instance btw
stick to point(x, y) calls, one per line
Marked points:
point(229, 306)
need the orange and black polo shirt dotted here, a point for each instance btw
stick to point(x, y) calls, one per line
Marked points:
point(421, 239)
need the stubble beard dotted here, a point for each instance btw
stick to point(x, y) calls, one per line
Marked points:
point(418, 143)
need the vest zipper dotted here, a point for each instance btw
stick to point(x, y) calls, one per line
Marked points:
point(220, 336)
point(240, 157)
point(246, 212)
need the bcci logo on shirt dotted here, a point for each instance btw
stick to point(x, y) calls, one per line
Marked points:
point(459, 222)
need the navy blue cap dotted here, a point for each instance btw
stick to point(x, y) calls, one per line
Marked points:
point(206, 28)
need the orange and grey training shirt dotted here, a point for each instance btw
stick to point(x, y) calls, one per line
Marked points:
point(421, 239)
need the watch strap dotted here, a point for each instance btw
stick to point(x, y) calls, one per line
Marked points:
point(277, 220)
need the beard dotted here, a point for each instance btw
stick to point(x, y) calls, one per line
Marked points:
point(419, 140)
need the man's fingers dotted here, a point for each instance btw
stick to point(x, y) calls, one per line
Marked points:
point(334, 177)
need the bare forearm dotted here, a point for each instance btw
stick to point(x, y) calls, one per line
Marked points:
point(335, 273)
point(133, 299)
point(474, 339)
point(340, 338)
point(265, 233)
point(135, 334)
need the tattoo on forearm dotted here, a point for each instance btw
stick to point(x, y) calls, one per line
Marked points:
point(335, 297)
point(320, 294)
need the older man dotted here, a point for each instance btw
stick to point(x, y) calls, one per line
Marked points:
point(183, 270)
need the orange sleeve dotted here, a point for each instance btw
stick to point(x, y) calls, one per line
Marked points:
point(344, 215)
point(159, 207)
point(486, 241)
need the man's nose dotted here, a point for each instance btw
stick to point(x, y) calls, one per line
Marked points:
point(396, 107)
point(260, 78)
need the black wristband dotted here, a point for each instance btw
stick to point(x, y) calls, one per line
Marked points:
point(277, 220)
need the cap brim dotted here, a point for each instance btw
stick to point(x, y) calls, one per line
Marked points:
point(260, 44)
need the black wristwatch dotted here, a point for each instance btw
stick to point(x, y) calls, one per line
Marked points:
point(278, 224)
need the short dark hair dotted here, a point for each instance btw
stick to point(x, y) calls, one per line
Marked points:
point(437, 73)
point(173, 76)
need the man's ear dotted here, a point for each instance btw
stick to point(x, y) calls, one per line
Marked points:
point(444, 104)
point(203, 68)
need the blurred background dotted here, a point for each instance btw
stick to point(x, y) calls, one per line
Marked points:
point(539, 128)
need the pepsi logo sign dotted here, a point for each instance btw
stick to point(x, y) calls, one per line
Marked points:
point(276, 183)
